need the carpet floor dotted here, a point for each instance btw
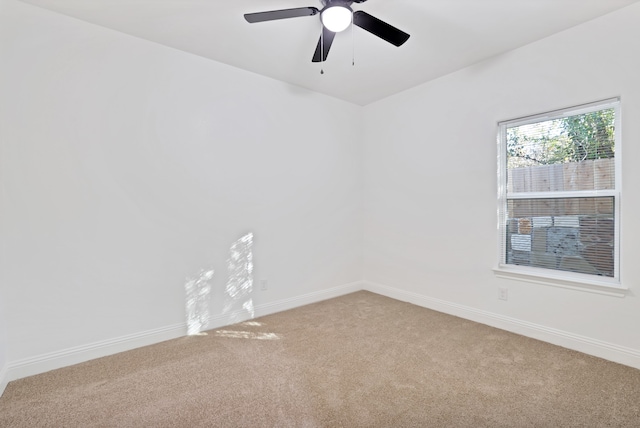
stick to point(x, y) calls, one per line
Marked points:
point(360, 360)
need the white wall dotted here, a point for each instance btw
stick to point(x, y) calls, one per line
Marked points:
point(4, 365)
point(128, 166)
point(430, 186)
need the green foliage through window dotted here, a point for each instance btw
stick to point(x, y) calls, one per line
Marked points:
point(576, 138)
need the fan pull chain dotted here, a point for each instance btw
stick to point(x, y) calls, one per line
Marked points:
point(321, 49)
point(353, 44)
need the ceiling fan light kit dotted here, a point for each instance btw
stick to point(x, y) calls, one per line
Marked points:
point(335, 16)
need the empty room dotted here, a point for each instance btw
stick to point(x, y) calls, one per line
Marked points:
point(235, 214)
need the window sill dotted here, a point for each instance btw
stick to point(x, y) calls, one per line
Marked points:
point(609, 287)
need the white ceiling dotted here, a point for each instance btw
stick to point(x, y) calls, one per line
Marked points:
point(446, 35)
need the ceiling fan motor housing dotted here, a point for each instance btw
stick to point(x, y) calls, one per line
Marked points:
point(347, 3)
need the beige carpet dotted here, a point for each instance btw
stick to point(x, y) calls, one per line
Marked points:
point(360, 360)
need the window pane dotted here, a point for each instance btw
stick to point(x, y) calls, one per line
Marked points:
point(565, 154)
point(569, 234)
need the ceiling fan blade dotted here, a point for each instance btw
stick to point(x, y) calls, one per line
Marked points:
point(324, 44)
point(280, 14)
point(379, 28)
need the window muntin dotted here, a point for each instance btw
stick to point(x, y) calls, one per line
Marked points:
point(559, 194)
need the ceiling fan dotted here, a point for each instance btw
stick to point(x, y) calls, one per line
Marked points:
point(336, 16)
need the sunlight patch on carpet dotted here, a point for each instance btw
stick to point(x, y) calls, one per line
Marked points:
point(233, 334)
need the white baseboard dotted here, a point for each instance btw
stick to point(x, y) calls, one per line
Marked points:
point(4, 378)
point(608, 351)
point(283, 305)
point(66, 357)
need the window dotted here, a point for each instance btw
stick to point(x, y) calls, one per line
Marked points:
point(559, 191)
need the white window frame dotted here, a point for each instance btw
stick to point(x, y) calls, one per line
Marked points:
point(573, 280)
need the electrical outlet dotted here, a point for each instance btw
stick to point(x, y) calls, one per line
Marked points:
point(503, 293)
point(264, 284)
